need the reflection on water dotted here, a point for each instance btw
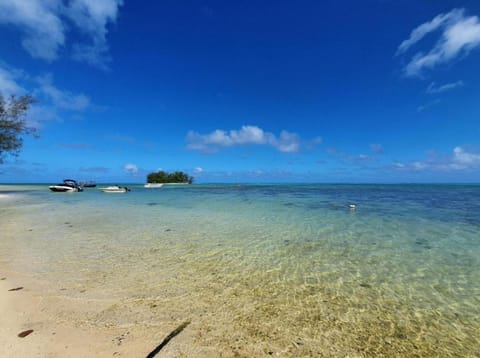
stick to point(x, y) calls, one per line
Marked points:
point(263, 269)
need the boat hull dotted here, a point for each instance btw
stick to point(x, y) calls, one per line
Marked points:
point(68, 186)
point(115, 189)
point(62, 189)
point(153, 185)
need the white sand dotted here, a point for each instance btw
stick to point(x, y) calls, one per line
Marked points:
point(23, 310)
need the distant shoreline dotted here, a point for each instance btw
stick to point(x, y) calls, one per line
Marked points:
point(259, 183)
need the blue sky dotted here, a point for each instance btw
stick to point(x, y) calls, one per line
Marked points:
point(245, 91)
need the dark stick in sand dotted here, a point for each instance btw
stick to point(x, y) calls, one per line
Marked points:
point(16, 289)
point(167, 339)
point(25, 333)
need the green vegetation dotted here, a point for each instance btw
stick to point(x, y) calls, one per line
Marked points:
point(13, 124)
point(165, 177)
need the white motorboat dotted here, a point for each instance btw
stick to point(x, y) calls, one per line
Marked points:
point(153, 185)
point(115, 189)
point(68, 186)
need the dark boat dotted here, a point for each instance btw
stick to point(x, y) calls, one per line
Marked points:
point(88, 184)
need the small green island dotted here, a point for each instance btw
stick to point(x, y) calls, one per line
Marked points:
point(162, 177)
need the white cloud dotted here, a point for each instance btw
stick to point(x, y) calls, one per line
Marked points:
point(428, 105)
point(43, 31)
point(362, 160)
point(52, 103)
point(130, 168)
point(463, 159)
point(435, 89)
point(45, 23)
point(8, 82)
point(362, 157)
point(198, 170)
point(460, 34)
point(460, 159)
point(39, 115)
point(60, 98)
point(92, 18)
point(287, 142)
point(424, 29)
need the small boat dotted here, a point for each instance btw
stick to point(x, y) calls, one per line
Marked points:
point(115, 189)
point(153, 185)
point(88, 184)
point(68, 186)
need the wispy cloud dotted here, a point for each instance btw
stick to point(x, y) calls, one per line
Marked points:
point(461, 159)
point(459, 35)
point(130, 168)
point(61, 98)
point(428, 105)
point(53, 103)
point(39, 21)
point(433, 88)
point(357, 159)
point(56, 104)
point(362, 158)
point(255, 175)
point(9, 81)
point(44, 26)
point(92, 18)
point(286, 142)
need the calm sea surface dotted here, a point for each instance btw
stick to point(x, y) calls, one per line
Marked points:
point(287, 269)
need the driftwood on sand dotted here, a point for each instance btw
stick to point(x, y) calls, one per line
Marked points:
point(25, 333)
point(175, 332)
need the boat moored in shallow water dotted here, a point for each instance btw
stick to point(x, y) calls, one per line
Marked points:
point(88, 184)
point(68, 186)
point(115, 189)
point(153, 185)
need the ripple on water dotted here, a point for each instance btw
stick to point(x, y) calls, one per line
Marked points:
point(263, 270)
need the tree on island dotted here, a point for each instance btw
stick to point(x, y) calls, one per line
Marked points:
point(165, 177)
point(13, 124)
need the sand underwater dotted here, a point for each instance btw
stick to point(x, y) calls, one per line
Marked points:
point(248, 270)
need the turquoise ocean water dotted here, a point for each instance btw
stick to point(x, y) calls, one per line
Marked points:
point(287, 269)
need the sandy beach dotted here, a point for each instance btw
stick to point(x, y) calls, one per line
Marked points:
point(23, 309)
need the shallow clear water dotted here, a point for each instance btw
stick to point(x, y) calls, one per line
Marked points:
point(286, 269)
